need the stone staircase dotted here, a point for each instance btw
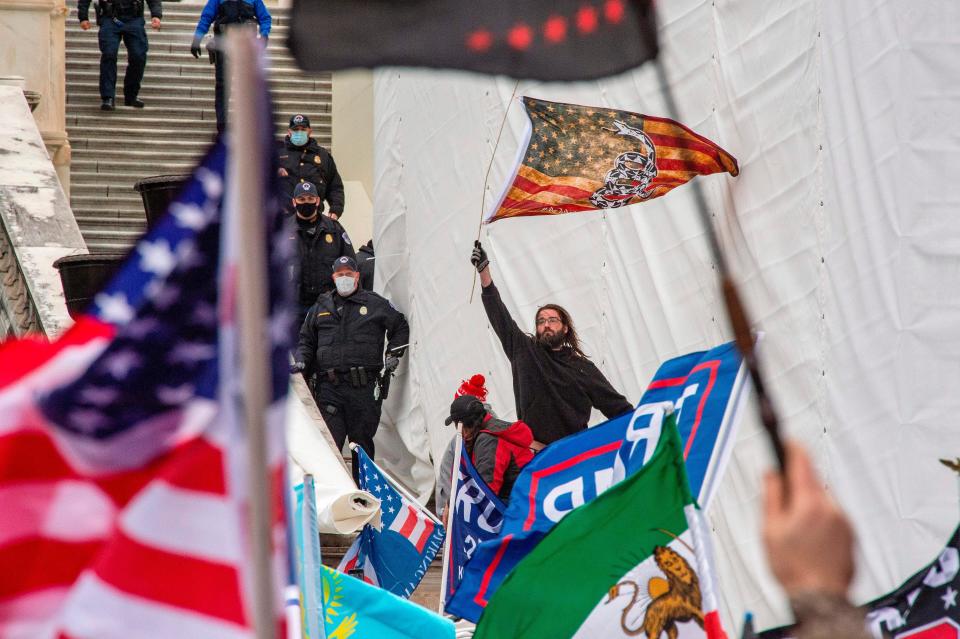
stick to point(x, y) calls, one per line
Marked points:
point(112, 150)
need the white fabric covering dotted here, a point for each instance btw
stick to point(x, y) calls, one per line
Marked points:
point(842, 228)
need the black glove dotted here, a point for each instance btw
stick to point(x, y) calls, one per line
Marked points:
point(479, 257)
point(390, 363)
point(297, 367)
point(195, 47)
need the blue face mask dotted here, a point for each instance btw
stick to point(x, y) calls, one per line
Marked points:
point(298, 138)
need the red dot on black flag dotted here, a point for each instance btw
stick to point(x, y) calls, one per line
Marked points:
point(613, 11)
point(480, 40)
point(586, 19)
point(555, 29)
point(520, 36)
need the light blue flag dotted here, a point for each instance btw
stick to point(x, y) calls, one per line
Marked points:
point(307, 538)
point(353, 609)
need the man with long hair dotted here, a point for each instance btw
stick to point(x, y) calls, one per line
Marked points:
point(554, 383)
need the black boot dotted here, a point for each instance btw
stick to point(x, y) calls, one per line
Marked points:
point(107, 104)
point(136, 103)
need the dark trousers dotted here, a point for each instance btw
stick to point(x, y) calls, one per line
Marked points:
point(220, 90)
point(350, 411)
point(134, 37)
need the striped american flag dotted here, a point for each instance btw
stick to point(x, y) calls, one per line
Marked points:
point(580, 158)
point(123, 507)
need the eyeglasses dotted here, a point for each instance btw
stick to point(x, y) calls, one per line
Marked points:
point(549, 320)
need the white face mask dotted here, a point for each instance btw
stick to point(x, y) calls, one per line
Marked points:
point(345, 284)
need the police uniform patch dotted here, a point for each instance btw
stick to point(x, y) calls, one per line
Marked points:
point(346, 238)
point(363, 310)
point(329, 238)
point(316, 159)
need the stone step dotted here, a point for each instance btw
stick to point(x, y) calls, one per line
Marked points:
point(111, 222)
point(87, 65)
point(202, 79)
point(79, 94)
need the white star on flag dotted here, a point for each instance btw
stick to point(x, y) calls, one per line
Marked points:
point(189, 216)
point(157, 257)
point(174, 395)
point(161, 294)
point(949, 598)
point(114, 308)
point(204, 314)
point(119, 364)
point(280, 325)
point(141, 328)
point(86, 419)
point(99, 396)
point(188, 255)
point(212, 184)
point(188, 352)
point(391, 509)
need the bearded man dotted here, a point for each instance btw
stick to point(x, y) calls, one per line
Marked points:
point(554, 383)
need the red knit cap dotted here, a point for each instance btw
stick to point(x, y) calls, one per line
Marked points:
point(473, 386)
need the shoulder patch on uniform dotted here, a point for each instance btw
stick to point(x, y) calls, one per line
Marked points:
point(346, 238)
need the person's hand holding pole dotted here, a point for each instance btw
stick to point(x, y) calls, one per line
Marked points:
point(808, 539)
point(480, 261)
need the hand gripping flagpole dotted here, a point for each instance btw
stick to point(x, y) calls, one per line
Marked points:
point(451, 497)
point(736, 312)
point(251, 304)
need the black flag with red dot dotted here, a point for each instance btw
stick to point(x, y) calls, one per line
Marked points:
point(551, 40)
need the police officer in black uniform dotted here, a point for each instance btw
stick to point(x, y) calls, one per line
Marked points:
point(342, 342)
point(121, 20)
point(222, 14)
point(366, 262)
point(302, 159)
point(320, 241)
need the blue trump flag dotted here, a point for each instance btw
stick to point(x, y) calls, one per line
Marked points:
point(703, 391)
point(476, 516)
point(395, 555)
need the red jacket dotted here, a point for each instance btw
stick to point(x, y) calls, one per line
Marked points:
point(500, 449)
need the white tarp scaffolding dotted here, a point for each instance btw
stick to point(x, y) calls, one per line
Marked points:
point(842, 229)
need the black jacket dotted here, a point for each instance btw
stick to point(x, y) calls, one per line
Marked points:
point(554, 390)
point(126, 9)
point(332, 339)
point(311, 163)
point(365, 262)
point(319, 246)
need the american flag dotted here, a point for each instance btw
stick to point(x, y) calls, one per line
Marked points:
point(580, 158)
point(121, 513)
point(396, 554)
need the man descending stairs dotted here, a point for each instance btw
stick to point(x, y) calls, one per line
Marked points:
point(113, 150)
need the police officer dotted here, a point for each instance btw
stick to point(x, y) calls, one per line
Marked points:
point(221, 14)
point(366, 261)
point(302, 159)
point(121, 20)
point(341, 340)
point(320, 241)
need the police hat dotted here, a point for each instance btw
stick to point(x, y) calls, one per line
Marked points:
point(298, 120)
point(304, 188)
point(344, 261)
point(465, 409)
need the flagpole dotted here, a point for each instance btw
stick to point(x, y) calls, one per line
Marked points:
point(454, 480)
point(251, 305)
point(486, 178)
point(736, 312)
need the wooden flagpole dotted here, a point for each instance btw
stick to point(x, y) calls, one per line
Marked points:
point(247, 176)
point(736, 312)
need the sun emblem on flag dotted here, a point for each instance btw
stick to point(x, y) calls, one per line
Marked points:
point(332, 594)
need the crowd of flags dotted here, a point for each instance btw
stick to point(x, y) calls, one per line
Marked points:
point(124, 461)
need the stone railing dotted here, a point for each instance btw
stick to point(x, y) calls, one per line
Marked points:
point(36, 225)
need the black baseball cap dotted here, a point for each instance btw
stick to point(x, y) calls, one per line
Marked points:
point(298, 120)
point(345, 261)
point(304, 188)
point(465, 408)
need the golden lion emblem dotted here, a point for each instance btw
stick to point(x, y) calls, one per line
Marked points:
point(674, 599)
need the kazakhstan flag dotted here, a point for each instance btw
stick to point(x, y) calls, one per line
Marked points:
point(353, 609)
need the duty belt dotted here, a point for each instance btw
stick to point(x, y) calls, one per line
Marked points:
point(357, 376)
